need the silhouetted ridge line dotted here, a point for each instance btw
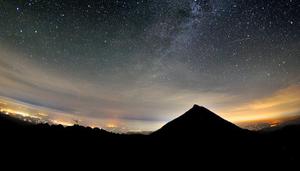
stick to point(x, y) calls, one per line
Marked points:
point(198, 120)
point(198, 132)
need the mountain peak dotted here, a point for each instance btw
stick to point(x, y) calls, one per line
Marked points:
point(199, 108)
point(195, 106)
point(200, 112)
point(198, 120)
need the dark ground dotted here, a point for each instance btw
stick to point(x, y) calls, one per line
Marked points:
point(196, 139)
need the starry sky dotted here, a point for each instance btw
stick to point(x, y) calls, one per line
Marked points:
point(133, 65)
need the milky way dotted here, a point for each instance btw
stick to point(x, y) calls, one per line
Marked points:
point(140, 63)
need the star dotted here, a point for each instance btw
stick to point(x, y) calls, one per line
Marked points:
point(147, 60)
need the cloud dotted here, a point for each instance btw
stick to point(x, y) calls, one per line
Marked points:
point(65, 97)
point(284, 102)
point(145, 104)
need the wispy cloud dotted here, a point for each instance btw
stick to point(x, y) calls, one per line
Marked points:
point(94, 102)
point(284, 102)
point(135, 106)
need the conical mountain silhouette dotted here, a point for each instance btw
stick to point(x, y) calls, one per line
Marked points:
point(198, 120)
point(196, 138)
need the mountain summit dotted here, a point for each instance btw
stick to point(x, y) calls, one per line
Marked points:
point(199, 120)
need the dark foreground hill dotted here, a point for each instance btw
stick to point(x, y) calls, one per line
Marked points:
point(194, 139)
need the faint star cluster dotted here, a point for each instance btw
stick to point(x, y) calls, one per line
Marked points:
point(248, 48)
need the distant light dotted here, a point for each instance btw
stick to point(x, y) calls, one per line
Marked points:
point(42, 114)
point(274, 123)
point(64, 123)
point(110, 125)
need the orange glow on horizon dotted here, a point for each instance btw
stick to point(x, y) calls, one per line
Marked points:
point(61, 122)
point(110, 125)
point(281, 104)
point(273, 109)
point(20, 113)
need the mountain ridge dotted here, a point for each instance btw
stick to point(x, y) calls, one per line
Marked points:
point(198, 132)
point(198, 120)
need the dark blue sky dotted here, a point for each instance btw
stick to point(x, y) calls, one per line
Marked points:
point(144, 60)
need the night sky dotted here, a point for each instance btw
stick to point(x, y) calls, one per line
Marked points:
point(133, 65)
